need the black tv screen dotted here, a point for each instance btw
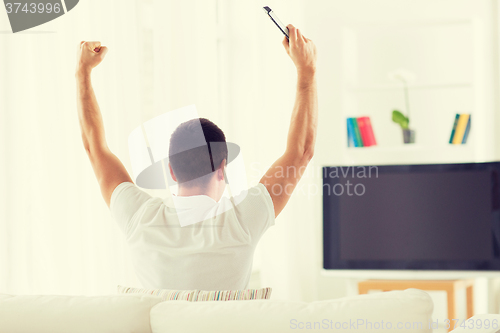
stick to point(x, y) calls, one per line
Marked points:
point(418, 217)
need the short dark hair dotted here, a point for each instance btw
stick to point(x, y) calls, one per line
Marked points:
point(189, 159)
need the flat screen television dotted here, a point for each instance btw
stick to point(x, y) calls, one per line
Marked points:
point(412, 217)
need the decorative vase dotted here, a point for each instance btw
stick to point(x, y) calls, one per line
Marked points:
point(408, 136)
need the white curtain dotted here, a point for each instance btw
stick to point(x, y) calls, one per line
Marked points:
point(56, 232)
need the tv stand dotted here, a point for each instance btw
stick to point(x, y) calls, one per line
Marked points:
point(450, 286)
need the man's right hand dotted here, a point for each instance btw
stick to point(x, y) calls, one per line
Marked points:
point(301, 49)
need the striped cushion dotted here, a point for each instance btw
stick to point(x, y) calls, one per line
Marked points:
point(200, 295)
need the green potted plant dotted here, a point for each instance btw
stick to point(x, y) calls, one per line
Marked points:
point(403, 121)
point(398, 117)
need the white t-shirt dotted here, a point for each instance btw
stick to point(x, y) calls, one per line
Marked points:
point(215, 254)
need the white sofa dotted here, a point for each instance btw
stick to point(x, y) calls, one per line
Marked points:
point(411, 310)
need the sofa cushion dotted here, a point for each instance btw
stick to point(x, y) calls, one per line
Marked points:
point(200, 295)
point(373, 313)
point(75, 314)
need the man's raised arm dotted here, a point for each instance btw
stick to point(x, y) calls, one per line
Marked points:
point(283, 176)
point(108, 169)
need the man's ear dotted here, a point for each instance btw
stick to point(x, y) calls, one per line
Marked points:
point(220, 170)
point(172, 172)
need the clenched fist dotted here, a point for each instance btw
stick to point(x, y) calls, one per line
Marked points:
point(89, 55)
point(301, 49)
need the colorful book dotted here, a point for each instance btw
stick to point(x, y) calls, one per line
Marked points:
point(350, 134)
point(460, 130)
point(453, 130)
point(358, 141)
point(467, 130)
point(362, 131)
point(366, 130)
point(371, 133)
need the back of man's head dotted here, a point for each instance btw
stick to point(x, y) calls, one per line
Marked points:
point(191, 163)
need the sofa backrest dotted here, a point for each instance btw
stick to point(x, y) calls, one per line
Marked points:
point(75, 314)
point(406, 311)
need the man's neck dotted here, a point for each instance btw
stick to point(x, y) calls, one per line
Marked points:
point(190, 191)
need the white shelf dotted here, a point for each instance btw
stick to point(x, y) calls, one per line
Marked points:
point(407, 147)
point(391, 149)
point(450, 79)
point(444, 85)
point(409, 154)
